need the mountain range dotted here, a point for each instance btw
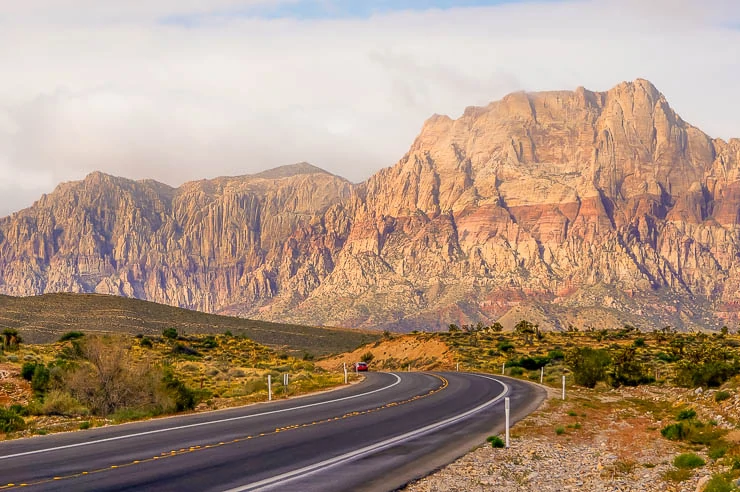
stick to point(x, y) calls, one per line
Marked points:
point(590, 209)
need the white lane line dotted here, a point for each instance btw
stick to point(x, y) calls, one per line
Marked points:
point(280, 480)
point(200, 424)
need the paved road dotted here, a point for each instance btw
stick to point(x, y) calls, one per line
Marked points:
point(376, 435)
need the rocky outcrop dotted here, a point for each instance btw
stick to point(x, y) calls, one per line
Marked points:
point(605, 203)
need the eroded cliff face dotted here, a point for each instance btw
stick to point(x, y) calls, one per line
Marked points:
point(207, 245)
point(576, 207)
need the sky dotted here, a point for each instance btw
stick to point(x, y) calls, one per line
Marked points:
point(177, 90)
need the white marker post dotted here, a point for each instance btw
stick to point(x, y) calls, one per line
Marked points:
point(269, 387)
point(506, 408)
point(457, 368)
point(563, 386)
point(345, 372)
point(542, 374)
point(503, 368)
point(286, 380)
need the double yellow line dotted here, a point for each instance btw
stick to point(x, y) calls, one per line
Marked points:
point(194, 449)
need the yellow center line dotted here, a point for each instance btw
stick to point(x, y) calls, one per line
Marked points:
point(203, 447)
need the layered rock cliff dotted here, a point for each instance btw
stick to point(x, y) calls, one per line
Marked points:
point(590, 208)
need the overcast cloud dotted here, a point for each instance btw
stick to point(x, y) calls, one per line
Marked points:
point(185, 89)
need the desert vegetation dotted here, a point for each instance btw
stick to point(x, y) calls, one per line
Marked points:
point(85, 380)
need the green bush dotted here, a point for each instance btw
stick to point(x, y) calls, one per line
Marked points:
point(559, 430)
point(712, 373)
point(27, 370)
point(85, 425)
point(170, 333)
point(61, 403)
point(589, 365)
point(496, 442)
point(516, 371)
point(10, 421)
point(146, 342)
point(184, 397)
point(688, 461)
point(674, 432)
point(722, 396)
point(719, 483)
point(182, 349)
point(40, 379)
point(686, 414)
point(505, 346)
point(367, 357)
point(717, 451)
point(71, 335)
point(556, 354)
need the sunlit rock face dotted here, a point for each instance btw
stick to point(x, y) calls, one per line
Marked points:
point(584, 208)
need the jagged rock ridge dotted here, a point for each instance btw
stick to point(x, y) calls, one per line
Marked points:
point(569, 207)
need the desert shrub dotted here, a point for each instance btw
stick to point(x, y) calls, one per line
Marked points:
point(505, 346)
point(688, 461)
point(182, 349)
point(560, 430)
point(27, 370)
point(530, 363)
point(721, 396)
point(686, 414)
point(627, 369)
point(367, 357)
point(184, 397)
point(639, 342)
point(556, 354)
point(146, 342)
point(61, 403)
point(516, 371)
point(85, 425)
point(170, 333)
point(717, 450)
point(209, 342)
point(589, 365)
point(10, 421)
point(254, 385)
point(669, 358)
point(674, 432)
point(71, 335)
point(496, 442)
point(720, 483)
point(707, 374)
point(40, 379)
point(19, 409)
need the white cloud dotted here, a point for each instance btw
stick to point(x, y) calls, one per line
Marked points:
point(233, 96)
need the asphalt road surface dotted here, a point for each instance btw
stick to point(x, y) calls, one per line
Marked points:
point(376, 435)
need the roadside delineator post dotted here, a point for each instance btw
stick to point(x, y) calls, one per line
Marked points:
point(542, 374)
point(269, 387)
point(563, 386)
point(506, 408)
point(345, 372)
point(503, 368)
point(457, 368)
point(286, 381)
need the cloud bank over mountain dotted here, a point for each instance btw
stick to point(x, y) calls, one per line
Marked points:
point(190, 89)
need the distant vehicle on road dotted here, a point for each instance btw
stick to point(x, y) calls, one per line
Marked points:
point(361, 366)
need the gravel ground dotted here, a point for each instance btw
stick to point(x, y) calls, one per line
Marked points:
point(607, 442)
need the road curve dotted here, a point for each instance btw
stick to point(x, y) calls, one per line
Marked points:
point(376, 435)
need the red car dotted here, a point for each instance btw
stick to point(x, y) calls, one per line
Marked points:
point(360, 366)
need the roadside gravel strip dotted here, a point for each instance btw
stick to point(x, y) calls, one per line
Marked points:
point(376, 435)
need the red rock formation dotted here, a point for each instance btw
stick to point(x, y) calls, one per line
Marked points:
point(563, 201)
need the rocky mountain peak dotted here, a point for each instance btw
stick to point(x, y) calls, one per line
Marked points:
point(291, 170)
point(581, 207)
